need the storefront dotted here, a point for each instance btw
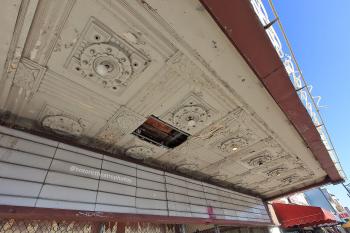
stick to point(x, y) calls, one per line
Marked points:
point(322, 198)
point(47, 184)
point(306, 219)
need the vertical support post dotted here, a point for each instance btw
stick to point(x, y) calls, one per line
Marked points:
point(216, 229)
point(182, 228)
point(96, 227)
point(346, 188)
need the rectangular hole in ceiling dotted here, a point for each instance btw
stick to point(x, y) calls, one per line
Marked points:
point(155, 131)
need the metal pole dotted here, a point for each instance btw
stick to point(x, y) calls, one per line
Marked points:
point(182, 228)
point(346, 188)
point(216, 229)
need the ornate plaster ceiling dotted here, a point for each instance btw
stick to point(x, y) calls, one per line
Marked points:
point(92, 71)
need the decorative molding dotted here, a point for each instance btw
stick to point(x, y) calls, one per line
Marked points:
point(172, 82)
point(123, 122)
point(139, 149)
point(195, 59)
point(291, 176)
point(61, 122)
point(139, 152)
point(25, 77)
point(94, 105)
point(276, 172)
point(148, 31)
point(232, 144)
point(240, 140)
point(221, 128)
point(63, 125)
point(259, 159)
point(28, 76)
point(23, 23)
point(191, 114)
point(63, 44)
point(51, 17)
point(106, 59)
point(233, 133)
point(290, 179)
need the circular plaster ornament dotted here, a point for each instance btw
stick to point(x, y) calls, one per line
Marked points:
point(63, 125)
point(189, 117)
point(259, 160)
point(233, 144)
point(106, 64)
point(276, 172)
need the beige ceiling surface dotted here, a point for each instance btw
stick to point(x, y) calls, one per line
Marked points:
point(164, 58)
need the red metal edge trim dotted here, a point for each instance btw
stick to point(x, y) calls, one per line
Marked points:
point(237, 19)
point(34, 213)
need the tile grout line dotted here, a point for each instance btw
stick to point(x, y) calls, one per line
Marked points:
point(166, 193)
point(99, 180)
point(136, 188)
point(47, 172)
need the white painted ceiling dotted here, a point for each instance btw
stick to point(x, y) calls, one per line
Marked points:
point(166, 58)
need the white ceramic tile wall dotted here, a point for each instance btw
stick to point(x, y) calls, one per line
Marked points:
point(150, 185)
point(17, 201)
point(115, 199)
point(24, 158)
point(26, 145)
point(71, 180)
point(20, 188)
point(43, 173)
point(122, 169)
point(151, 194)
point(116, 188)
point(20, 172)
point(74, 157)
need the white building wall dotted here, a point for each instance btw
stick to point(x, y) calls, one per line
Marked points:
point(38, 172)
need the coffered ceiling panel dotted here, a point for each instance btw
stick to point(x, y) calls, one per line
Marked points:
point(93, 71)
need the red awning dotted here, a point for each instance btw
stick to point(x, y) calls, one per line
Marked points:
point(298, 215)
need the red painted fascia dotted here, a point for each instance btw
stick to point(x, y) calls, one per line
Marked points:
point(237, 19)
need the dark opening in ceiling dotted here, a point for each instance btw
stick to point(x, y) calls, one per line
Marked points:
point(157, 132)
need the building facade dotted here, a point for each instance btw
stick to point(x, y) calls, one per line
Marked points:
point(133, 116)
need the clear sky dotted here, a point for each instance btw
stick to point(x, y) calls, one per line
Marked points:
point(319, 31)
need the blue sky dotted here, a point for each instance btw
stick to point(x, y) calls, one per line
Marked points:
point(319, 31)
